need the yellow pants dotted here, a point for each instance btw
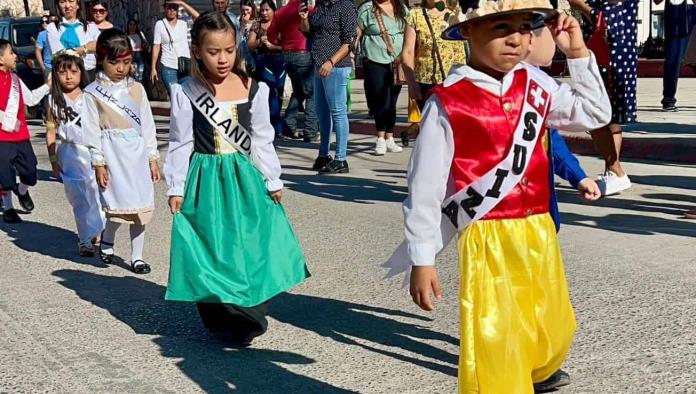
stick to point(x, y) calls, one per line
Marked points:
point(517, 322)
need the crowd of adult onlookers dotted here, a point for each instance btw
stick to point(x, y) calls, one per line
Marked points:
point(318, 45)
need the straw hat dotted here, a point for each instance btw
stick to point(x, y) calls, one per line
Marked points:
point(541, 10)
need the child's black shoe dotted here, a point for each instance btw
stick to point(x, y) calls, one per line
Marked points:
point(25, 201)
point(140, 267)
point(11, 216)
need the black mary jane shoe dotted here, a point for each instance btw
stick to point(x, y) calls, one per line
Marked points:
point(106, 258)
point(335, 167)
point(321, 162)
point(11, 216)
point(140, 267)
point(559, 378)
point(25, 201)
point(404, 138)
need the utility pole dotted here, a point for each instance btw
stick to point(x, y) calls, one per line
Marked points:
point(26, 8)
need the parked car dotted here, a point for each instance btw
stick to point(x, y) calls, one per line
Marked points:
point(22, 33)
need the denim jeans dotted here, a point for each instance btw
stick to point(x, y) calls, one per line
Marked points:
point(331, 104)
point(169, 77)
point(301, 72)
point(270, 69)
point(138, 66)
point(675, 49)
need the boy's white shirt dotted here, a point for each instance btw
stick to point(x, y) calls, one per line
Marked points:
point(585, 106)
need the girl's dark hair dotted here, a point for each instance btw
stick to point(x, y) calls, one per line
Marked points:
point(248, 3)
point(399, 10)
point(80, 15)
point(104, 4)
point(61, 62)
point(270, 4)
point(137, 26)
point(111, 44)
point(207, 22)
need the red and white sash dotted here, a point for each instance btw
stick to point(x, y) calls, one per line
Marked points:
point(8, 118)
point(474, 201)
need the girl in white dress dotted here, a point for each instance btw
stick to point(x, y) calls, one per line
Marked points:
point(120, 130)
point(71, 159)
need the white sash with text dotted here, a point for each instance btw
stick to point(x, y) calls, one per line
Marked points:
point(471, 203)
point(233, 132)
point(118, 99)
point(8, 117)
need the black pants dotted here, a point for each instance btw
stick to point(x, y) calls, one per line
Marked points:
point(381, 94)
point(17, 159)
point(242, 323)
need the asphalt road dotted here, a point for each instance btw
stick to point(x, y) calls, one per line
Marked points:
point(72, 325)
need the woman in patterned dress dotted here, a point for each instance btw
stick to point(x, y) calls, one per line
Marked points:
point(425, 66)
point(620, 78)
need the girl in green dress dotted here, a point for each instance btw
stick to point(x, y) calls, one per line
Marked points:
point(233, 248)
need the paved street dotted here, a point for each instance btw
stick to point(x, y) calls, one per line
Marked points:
point(72, 325)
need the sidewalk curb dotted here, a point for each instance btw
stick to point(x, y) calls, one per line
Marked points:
point(666, 149)
point(660, 149)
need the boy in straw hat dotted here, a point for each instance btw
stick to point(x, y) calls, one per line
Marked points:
point(480, 168)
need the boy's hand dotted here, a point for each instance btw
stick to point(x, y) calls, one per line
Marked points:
point(589, 190)
point(102, 176)
point(155, 171)
point(568, 37)
point(276, 195)
point(423, 280)
point(175, 203)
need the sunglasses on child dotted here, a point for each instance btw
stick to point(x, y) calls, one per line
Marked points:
point(100, 11)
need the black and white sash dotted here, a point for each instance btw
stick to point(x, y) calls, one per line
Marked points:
point(71, 126)
point(119, 100)
point(463, 208)
point(481, 196)
point(8, 118)
point(231, 131)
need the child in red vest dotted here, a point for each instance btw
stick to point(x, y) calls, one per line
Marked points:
point(481, 166)
point(16, 154)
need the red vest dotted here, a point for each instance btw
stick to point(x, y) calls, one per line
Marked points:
point(483, 125)
point(23, 133)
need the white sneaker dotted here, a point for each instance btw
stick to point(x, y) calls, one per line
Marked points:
point(380, 147)
point(392, 146)
point(610, 183)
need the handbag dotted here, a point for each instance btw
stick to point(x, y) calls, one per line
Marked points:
point(183, 63)
point(597, 42)
point(437, 59)
point(399, 76)
point(414, 115)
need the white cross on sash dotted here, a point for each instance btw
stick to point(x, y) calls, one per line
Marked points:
point(8, 117)
point(119, 100)
point(231, 131)
point(474, 201)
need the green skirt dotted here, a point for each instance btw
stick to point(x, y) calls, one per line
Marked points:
point(231, 243)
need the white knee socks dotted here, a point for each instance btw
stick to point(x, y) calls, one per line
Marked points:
point(137, 233)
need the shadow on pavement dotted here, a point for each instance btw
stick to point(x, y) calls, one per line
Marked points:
point(47, 240)
point(570, 196)
point(632, 224)
point(342, 321)
point(346, 188)
point(208, 360)
point(678, 181)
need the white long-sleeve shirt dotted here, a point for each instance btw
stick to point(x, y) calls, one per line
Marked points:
point(585, 106)
point(263, 154)
point(33, 97)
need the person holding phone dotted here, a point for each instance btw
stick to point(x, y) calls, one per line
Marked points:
point(285, 31)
